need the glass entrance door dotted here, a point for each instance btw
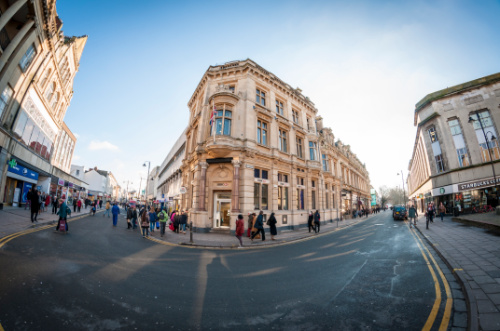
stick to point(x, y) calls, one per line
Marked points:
point(222, 210)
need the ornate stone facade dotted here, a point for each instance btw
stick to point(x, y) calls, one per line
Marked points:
point(255, 143)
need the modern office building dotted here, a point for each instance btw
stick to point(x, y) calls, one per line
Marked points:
point(255, 143)
point(456, 156)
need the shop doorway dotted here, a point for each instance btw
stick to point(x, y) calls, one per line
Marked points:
point(222, 210)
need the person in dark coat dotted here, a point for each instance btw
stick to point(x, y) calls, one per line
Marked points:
point(259, 225)
point(272, 224)
point(35, 206)
point(183, 221)
point(177, 221)
point(317, 220)
point(310, 220)
point(55, 204)
point(115, 211)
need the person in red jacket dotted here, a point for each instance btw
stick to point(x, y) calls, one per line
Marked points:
point(240, 229)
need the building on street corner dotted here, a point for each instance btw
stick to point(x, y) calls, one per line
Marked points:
point(37, 67)
point(456, 155)
point(255, 143)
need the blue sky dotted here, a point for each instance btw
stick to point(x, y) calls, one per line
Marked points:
point(365, 64)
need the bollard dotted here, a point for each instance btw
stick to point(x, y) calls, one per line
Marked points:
point(191, 232)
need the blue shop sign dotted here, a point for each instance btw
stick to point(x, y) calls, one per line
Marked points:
point(22, 171)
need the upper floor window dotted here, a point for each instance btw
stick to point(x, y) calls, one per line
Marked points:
point(295, 116)
point(279, 107)
point(282, 178)
point(223, 122)
point(490, 132)
point(261, 132)
point(258, 173)
point(46, 77)
point(312, 151)
point(282, 143)
point(325, 162)
point(433, 135)
point(50, 91)
point(5, 98)
point(300, 147)
point(458, 139)
point(260, 97)
point(55, 101)
point(27, 58)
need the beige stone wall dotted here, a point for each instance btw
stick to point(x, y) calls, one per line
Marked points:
point(234, 87)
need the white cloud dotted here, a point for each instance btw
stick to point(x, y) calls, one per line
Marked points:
point(98, 145)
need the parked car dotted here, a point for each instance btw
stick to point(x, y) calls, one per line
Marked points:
point(399, 213)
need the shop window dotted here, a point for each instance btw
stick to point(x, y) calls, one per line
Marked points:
point(27, 58)
point(261, 196)
point(262, 132)
point(300, 199)
point(282, 198)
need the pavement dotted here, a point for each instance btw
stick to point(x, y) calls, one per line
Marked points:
point(470, 247)
point(468, 244)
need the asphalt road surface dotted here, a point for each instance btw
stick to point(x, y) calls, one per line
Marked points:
point(371, 276)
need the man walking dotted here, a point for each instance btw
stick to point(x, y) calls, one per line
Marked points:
point(412, 215)
point(108, 209)
point(55, 203)
point(317, 220)
point(429, 215)
point(115, 211)
point(259, 225)
point(162, 217)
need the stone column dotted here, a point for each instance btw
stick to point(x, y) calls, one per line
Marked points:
point(201, 186)
point(235, 195)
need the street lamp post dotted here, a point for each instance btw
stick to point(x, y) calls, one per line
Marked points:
point(404, 195)
point(472, 120)
point(128, 182)
point(147, 179)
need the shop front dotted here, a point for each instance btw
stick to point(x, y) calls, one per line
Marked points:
point(19, 180)
point(472, 196)
point(222, 209)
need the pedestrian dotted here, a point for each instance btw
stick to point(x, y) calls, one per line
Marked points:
point(183, 221)
point(177, 219)
point(79, 204)
point(429, 214)
point(250, 224)
point(259, 225)
point(152, 220)
point(47, 201)
point(162, 217)
point(240, 229)
point(145, 224)
point(86, 202)
point(272, 225)
point(442, 210)
point(115, 211)
point(74, 205)
point(55, 204)
point(317, 221)
point(412, 215)
point(94, 206)
point(28, 200)
point(64, 212)
point(40, 202)
point(310, 220)
point(108, 209)
point(35, 206)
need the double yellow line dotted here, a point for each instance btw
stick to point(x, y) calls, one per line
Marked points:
point(437, 303)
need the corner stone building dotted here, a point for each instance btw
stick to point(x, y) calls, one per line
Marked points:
point(266, 150)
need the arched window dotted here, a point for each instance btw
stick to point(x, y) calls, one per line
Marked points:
point(50, 91)
point(46, 77)
point(55, 101)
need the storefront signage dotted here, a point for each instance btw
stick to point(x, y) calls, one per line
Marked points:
point(477, 184)
point(283, 184)
point(22, 171)
point(70, 184)
point(183, 190)
point(442, 190)
point(220, 184)
point(249, 166)
point(60, 182)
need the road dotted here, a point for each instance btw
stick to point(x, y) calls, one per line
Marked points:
point(375, 275)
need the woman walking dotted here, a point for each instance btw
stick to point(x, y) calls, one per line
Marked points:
point(240, 229)
point(259, 225)
point(145, 224)
point(272, 224)
point(317, 220)
point(250, 224)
